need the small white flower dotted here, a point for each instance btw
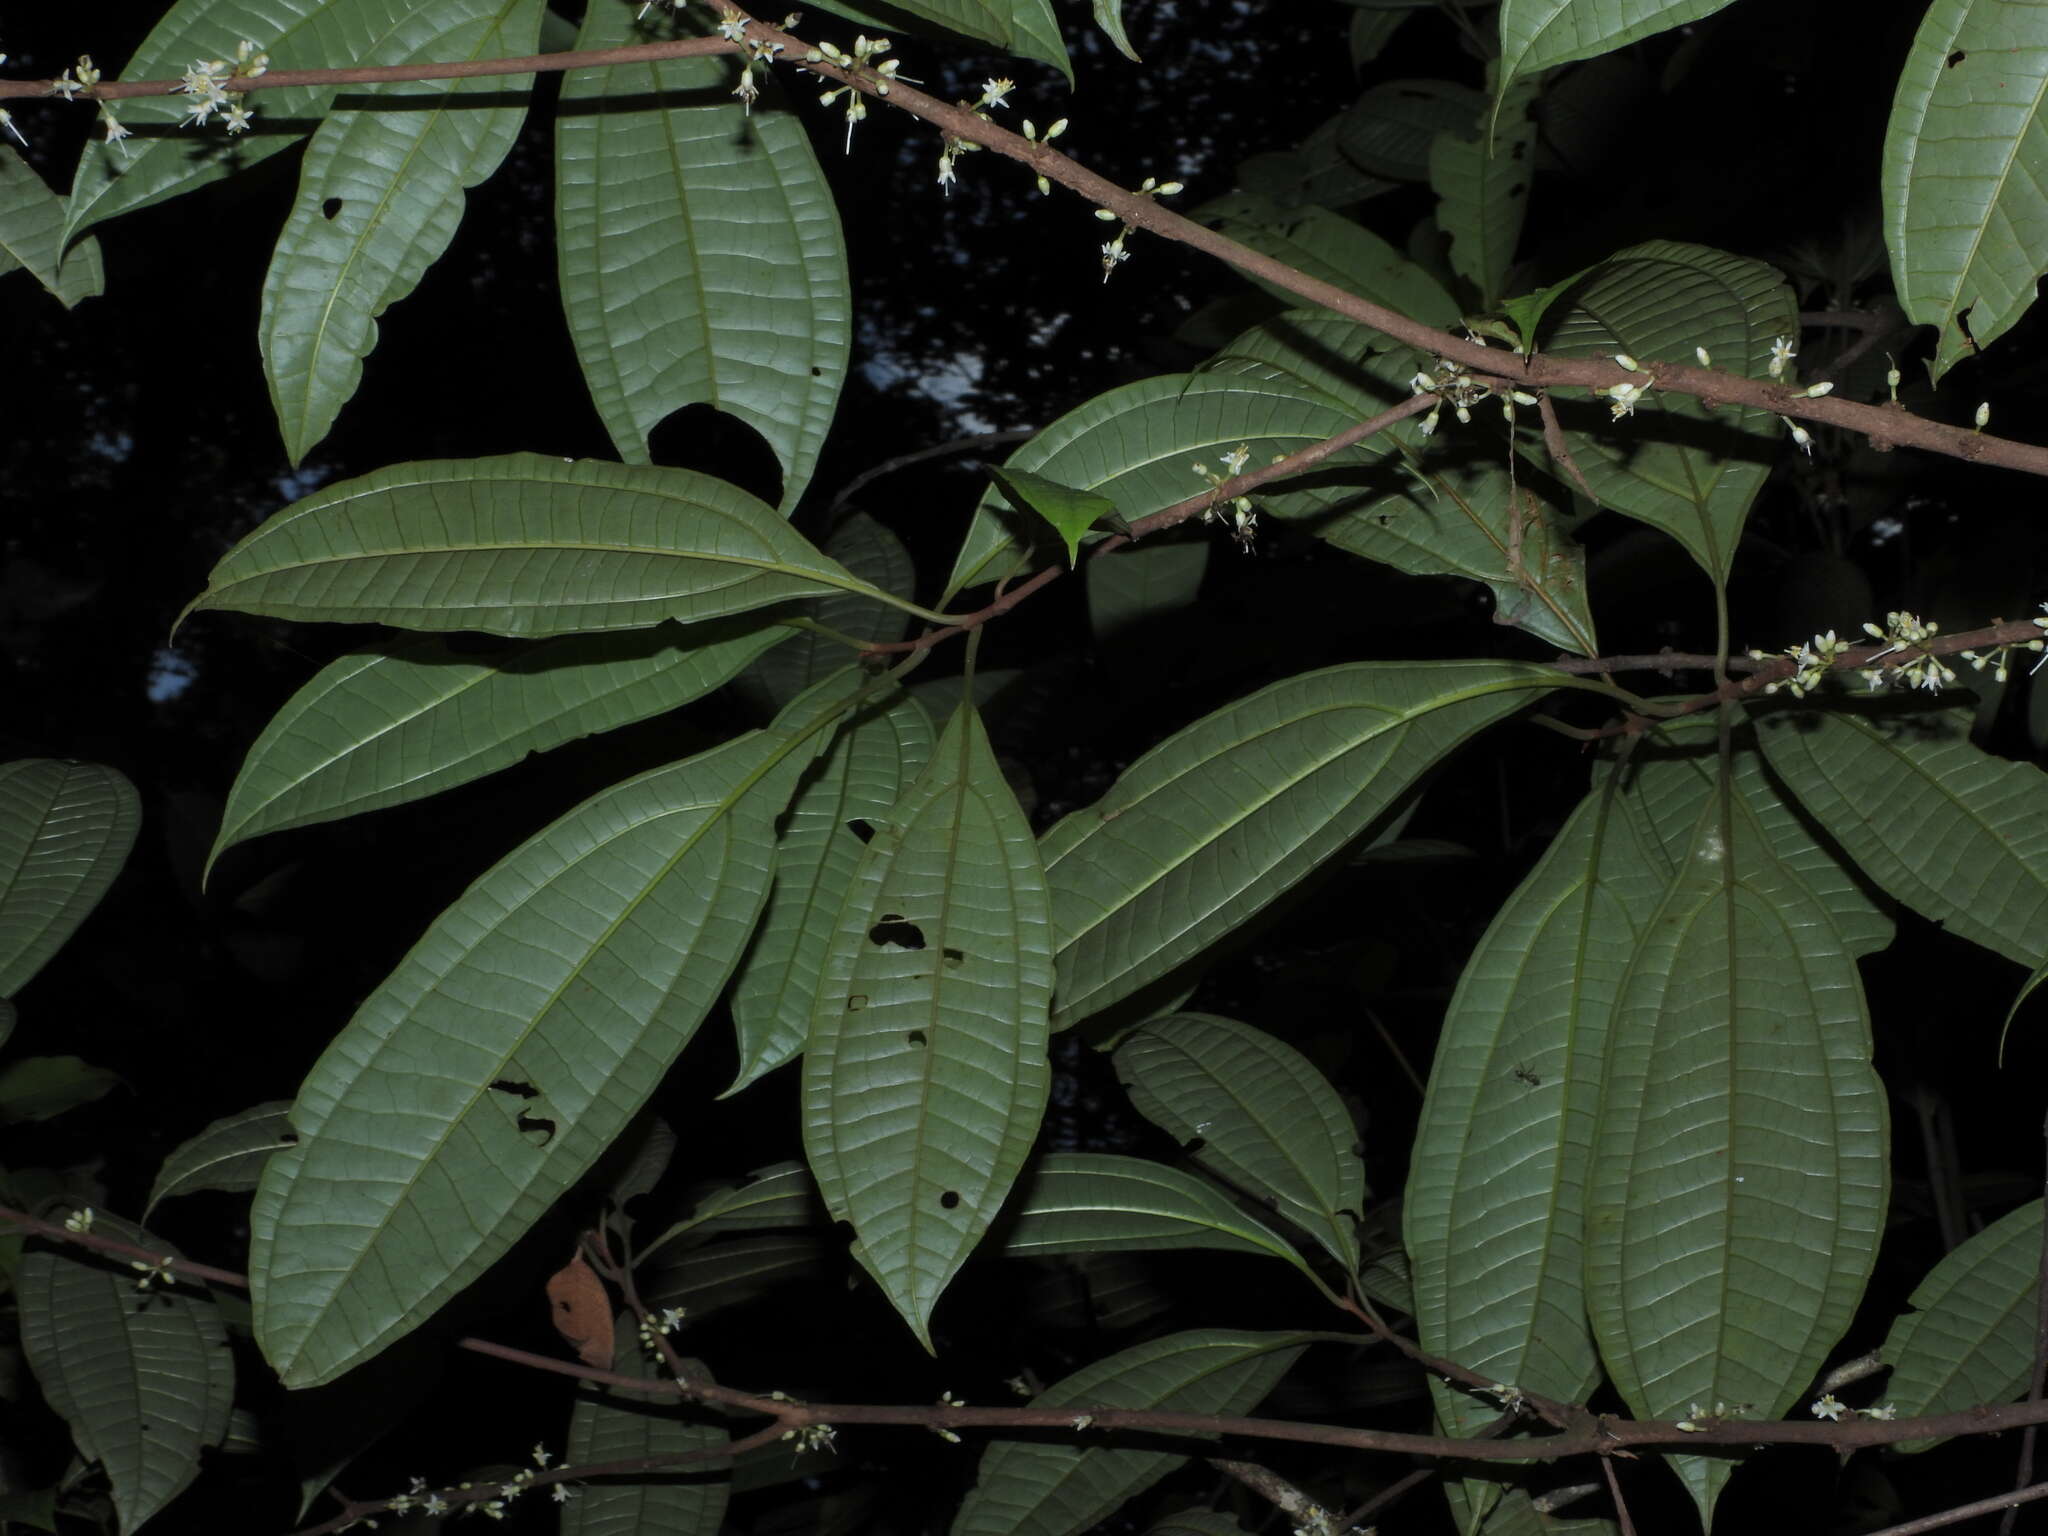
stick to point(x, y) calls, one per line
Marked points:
point(1701, 354)
point(1781, 354)
point(79, 1220)
point(995, 93)
point(733, 30)
point(1815, 391)
point(1827, 1407)
point(1983, 415)
point(237, 118)
point(1627, 362)
point(1887, 1413)
point(561, 1493)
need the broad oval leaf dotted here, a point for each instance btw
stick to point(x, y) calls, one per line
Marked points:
point(523, 1033)
point(65, 832)
point(1391, 129)
point(228, 1155)
point(926, 1074)
point(522, 545)
point(689, 230)
point(1203, 831)
point(871, 762)
point(32, 236)
point(380, 194)
point(1035, 1488)
point(1675, 464)
point(1536, 34)
point(1482, 185)
point(1965, 207)
point(1968, 1336)
point(611, 1427)
point(1144, 581)
point(1097, 1202)
point(1026, 28)
point(1977, 859)
point(414, 716)
point(1253, 1111)
point(144, 1389)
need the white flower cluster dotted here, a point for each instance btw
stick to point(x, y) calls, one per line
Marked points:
point(1113, 252)
point(1243, 522)
point(208, 82)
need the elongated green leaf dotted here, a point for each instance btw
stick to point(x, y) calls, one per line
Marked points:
point(1144, 581)
point(65, 832)
point(1482, 190)
point(32, 236)
point(228, 1155)
point(522, 1033)
point(1028, 1488)
point(875, 757)
point(1109, 15)
point(1370, 32)
point(1968, 1334)
point(875, 555)
point(1431, 508)
point(1675, 464)
point(1965, 207)
point(144, 1388)
point(926, 1075)
point(1027, 28)
point(415, 716)
point(1254, 1112)
point(1739, 1170)
point(1391, 129)
point(1336, 249)
point(380, 196)
point(522, 545)
point(739, 1270)
point(1977, 861)
point(782, 1197)
point(1204, 830)
point(1096, 1202)
point(614, 1427)
point(1536, 34)
point(43, 1087)
point(1317, 170)
point(688, 230)
point(1139, 444)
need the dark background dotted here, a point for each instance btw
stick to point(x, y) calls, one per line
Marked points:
point(138, 444)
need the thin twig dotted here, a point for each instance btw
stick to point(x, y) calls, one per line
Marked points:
point(867, 477)
point(2040, 1377)
point(1964, 1512)
point(1621, 1515)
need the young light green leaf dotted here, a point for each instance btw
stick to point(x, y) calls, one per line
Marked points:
point(1968, 1334)
point(1169, 861)
point(144, 1389)
point(855, 783)
point(415, 715)
point(1109, 15)
point(1144, 581)
point(523, 545)
point(1026, 28)
point(522, 1033)
point(1977, 861)
point(926, 1073)
point(687, 230)
point(1965, 211)
point(614, 1427)
point(65, 832)
point(32, 235)
point(380, 196)
point(1096, 1202)
point(1536, 34)
point(1674, 463)
point(228, 1155)
point(1526, 312)
point(1253, 1111)
point(44, 1087)
point(1047, 1488)
point(1071, 512)
point(875, 555)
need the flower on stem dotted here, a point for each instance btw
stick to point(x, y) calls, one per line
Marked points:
point(158, 1273)
point(995, 93)
point(1885, 1414)
point(236, 116)
point(1892, 376)
point(1031, 133)
point(1113, 253)
point(1815, 658)
point(1983, 415)
point(1705, 360)
point(1827, 1407)
point(7, 123)
point(111, 125)
point(1800, 435)
point(1622, 398)
point(561, 1493)
point(1781, 354)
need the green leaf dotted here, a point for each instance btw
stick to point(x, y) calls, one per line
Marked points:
point(1144, 581)
point(43, 1087)
point(875, 555)
point(779, 1198)
point(65, 832)
point(1331, 247)
point(872, 761)
point(1109, 15)
point(738, 1270)
point(1536, 34)
point(1527, 311)
point(228, 1155)
point(1429, 507)
point(1390, 130)
point(1071, 512)
point(1196, 1522)
point(416, 715)
point(1977, 859)
point(520, 1036)
point(1138, 445)
point(1095, 1202)
point(1739, 1169)
point(380, 196)
point(144, 1388)
point(1482, 192)
point(1675, 464)
point(1370, 32)
point(926, 1073)
point(1968, 1334)
point(688, 230)
point(1048, 1488)
point(607, 1427)
point(1203, 831)
point(1965, 211)
point(522, 545)
point(1253, 1111)
point(32, 236)
point(1026, 28)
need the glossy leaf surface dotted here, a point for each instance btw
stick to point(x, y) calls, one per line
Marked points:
point(65, 831)
point(1536, 34)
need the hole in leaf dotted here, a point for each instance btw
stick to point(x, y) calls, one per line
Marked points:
point(916, 1037)
point(893, 930)
point(1193, 1145)
point(855, 1003)
point(953, 956)
point(950, 1199)
point(864, 830)
point(518, 1090)
point(1956, 58)
point(817, 373)
point(288, 1139)
point(539, 1123)
point(331, 208)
